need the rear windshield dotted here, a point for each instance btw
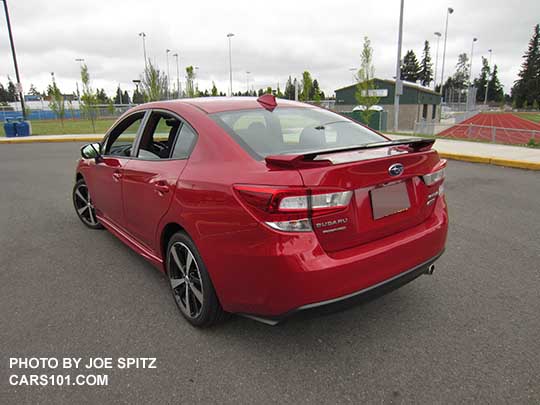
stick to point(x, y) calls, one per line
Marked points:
point(292, 130)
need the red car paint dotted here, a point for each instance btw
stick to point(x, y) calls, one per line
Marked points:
point(256, 269)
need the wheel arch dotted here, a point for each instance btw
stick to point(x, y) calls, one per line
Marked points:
point(168, 231)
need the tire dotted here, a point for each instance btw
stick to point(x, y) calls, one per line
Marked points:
point(82, 202)
point(194, 287)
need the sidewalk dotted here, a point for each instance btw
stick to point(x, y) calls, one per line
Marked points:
point(478, 152)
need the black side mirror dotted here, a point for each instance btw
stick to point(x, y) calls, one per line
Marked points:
point(91, 151)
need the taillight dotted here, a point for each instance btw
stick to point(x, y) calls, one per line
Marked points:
point(290, 209)
point(437, 175)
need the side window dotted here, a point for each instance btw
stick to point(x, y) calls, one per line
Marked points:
point(159, 136)
point(121, 138)
point(184, 143)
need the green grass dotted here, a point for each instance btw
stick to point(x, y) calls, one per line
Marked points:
point(531, 116)
point(54, 127)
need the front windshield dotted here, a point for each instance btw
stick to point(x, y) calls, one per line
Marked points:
point(293, 130)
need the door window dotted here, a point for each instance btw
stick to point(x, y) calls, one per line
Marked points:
point(159, 136)
point(184, 143)
point(121, 138)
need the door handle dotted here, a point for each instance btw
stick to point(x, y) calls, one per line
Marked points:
point(161, 187)
point(117, 176)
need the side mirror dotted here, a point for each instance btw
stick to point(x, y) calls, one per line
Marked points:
point(91, 151)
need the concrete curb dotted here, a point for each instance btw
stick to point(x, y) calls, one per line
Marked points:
point(519, 164)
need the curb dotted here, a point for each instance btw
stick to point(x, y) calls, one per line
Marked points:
point(518, 164)
point(48, 140)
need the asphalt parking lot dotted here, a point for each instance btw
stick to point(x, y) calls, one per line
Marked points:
point(469, 333)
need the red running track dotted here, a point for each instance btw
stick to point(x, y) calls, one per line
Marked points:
point(501, 128)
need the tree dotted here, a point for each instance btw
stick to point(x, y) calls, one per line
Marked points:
point(57, 102)
point(118, 98)
point(461, 75)
point(33, 91)
point(190, 77)
point(125, 98)
point(481, 82)
point(289, 89)
point(12, 91)
point(278, 92)
point(316, 96)
point(410, 69)
point(495, 89)
point(101, 97)
point(138, 97)
point(88, 98)
point(366, 84)
point(307, 86)
point(4, 96)
point(527, 86)
point(426, 72)
point(153, 83)
point(214, 89)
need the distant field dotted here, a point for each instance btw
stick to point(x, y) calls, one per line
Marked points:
point(54, 127)
point(531, 116)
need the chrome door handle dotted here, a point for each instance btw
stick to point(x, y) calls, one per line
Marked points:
point(161, 187)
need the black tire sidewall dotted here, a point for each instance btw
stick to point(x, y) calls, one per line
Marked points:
point(75, 187)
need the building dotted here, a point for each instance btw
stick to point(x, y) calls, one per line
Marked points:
point(417, 103)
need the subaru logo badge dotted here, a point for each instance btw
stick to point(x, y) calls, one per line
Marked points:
point(396, 169)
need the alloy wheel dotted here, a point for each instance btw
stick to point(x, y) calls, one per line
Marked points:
point(84, 206)
point(185, 279)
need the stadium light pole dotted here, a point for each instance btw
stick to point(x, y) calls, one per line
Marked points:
point(230, 35)
point(167, 51)
point(471, 64)
point(399, 86)
point(487, 81)
point(19, 85)
point(438, 35)
point(247, 82)
point(143, 36)
point(449, 11)
point(177, 76)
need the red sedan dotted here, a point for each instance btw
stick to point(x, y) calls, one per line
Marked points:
point(264, 207)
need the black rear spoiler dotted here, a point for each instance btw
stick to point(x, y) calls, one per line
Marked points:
point(413, 144)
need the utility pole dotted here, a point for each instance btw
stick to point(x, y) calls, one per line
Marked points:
point(399, 85)
point(230, 35)
point(168, 73)
point(487, 76)
point(353, 71)
point(19, 85)
point(247, 82)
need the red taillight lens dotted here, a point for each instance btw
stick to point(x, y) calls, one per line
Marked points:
point(291, 208)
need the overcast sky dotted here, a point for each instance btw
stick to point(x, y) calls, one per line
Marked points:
point(272, 39)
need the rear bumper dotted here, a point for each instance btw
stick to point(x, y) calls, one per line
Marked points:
point(272, 275)
point(354, 298)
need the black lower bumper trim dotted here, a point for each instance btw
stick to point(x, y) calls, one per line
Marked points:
point(341, 303)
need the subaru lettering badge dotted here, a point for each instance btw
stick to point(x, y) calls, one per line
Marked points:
point(396, 169)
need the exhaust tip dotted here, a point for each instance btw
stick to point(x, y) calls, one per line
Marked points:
point(430, 269)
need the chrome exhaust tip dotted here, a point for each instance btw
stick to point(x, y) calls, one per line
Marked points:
point(430, 269)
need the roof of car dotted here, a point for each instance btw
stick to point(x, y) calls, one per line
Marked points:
point(212, 105)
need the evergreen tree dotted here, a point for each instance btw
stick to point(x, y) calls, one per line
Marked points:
point(426, 72)
point(410, 69)
point(278, 92)
point(482, 80)
point(3, 94)
point(527, 86)
point(138, 97)
point(461, 76)
point(306, 86)
point(214, 89)
point(12, 91)
point(101, 96)
point(125, 98)
point(33, 91)
point(316, 96)
point(289, 89)
point(495, 89)
point(118, 99)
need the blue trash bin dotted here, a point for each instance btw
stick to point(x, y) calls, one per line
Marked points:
point(22, 128)
point(9, 129)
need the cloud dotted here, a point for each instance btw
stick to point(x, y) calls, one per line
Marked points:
point(272, 40)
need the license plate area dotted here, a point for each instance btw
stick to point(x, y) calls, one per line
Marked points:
point(389, 199)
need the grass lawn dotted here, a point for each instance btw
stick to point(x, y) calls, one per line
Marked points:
point(531, 116)
point(54, 127)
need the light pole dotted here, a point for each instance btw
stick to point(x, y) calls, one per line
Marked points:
point(197, 79)
point(450, 10)
point(471, 64)
point(19, 85)
point(399, 86)
point(80, 60)
point(438, 34)
point(487, 81)
point(178, 76)
point(143, 35)
point(230, 35)
point(353, 71)
point(168, 73)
